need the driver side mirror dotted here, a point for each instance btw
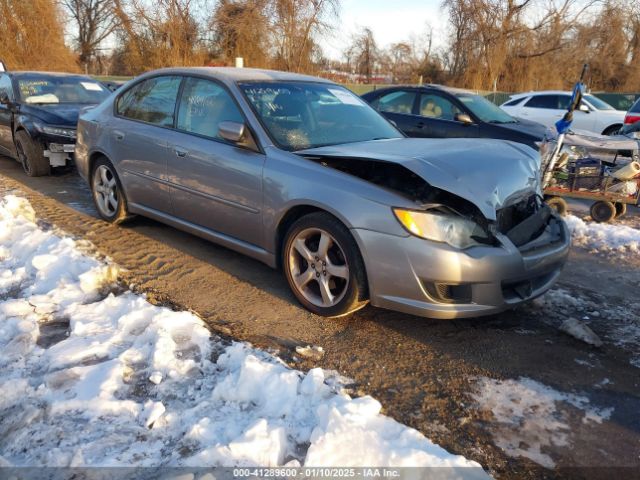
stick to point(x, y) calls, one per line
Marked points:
point(231, 131)
point(463, 118)
point(4, 98)
point(584, 108)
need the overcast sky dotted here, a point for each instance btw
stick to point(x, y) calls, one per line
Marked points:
point(391, 21)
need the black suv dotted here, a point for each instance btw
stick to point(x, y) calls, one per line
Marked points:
point(443, 112)
point(38, 116)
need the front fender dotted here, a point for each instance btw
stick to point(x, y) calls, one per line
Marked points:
point(291, 181)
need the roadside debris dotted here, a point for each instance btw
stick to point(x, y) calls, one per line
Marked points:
point(577, 329)
point(311, 352)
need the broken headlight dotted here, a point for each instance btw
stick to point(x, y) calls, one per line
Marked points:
point(57, 131)
point(440, 227)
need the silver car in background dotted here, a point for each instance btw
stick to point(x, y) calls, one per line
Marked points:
point(301, 174)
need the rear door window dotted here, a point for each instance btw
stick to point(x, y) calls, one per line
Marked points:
point(396, 102)
point(436, 106)
point(151, 101)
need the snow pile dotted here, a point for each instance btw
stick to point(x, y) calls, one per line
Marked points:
point(530, 416)
point(90, 378)
point(608, 238)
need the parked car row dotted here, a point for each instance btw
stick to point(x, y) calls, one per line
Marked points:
point(592, 115)
point(302, 174)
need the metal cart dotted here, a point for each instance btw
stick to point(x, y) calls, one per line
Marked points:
point(583, 168)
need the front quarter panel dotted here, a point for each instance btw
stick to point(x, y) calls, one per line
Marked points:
point(292, 181)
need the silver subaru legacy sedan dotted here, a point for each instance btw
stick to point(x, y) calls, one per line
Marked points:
point(299, 173)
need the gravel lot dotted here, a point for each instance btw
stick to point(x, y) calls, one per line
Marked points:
point(511, 391)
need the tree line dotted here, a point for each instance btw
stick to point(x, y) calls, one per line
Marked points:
point(507, 45)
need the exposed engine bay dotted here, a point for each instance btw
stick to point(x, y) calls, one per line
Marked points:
point(521, 222)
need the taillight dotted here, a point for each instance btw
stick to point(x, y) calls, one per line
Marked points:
point(629, 119)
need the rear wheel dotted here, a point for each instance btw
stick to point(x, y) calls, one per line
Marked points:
point(323, 266)
point(603, 211)
point(559, 204)
point(621, 209)
point(108, 195)
point(31, 156)
point(612, 130)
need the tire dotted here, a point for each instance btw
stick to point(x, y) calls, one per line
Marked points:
point(107, 192)
point(559, 204)
point(309, 272)
point(621, 209)
point(612, 130)
point(31, 156)
point(603, 212)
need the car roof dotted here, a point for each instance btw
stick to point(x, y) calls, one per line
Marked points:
point(32, 74)
point(541, 92)
point(428, 86)
point(232, 74)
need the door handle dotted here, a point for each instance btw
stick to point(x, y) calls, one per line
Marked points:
point(118, 135)
point(420, 124)
point(180, 152)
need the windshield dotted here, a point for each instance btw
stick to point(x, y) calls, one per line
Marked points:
point(597, 103)
point(484, 109)
point(301, 115)
point(52, 90)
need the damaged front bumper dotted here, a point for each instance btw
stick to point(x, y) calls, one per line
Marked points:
point(59, 153)
point(431, 279)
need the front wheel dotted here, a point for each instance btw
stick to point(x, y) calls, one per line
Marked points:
point(108, 195)
point(323, 266)
point(612, 130)
point(31, 155)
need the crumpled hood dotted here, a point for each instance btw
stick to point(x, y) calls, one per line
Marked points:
point(491, 174)
point(61, 114)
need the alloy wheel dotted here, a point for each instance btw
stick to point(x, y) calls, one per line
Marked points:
point(22, 157)
point(318, 267)
point(105, 190)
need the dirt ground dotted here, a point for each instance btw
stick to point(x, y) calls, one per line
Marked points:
point(425, 372)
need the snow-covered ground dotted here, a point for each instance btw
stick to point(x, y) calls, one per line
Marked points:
point(604, 237)
point(615, 324)
point(92, 378)
point(529, 416)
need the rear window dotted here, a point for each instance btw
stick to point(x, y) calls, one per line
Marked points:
point(513, 103)
point(635, 108)
point(555, 102)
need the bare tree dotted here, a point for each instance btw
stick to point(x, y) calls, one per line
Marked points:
point(363, 53)
point(494, 42)
point(241, 29)
point(295, 25)
point(31, 36)
point(95, 21)
point(166, 35)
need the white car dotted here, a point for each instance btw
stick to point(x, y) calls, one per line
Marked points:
point(593, 114)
